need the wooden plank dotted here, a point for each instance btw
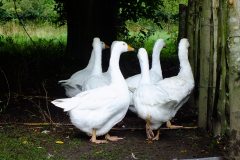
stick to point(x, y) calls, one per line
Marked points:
point(205, 51)
point(220, 125)
point(234, 76)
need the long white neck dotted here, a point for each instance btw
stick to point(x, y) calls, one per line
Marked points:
point(91, 61)
point(114, 69)
point(97, 65)
point(156, 67)
point(185, 67)
point(145, 76)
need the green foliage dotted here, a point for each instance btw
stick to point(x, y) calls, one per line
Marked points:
point(144, 33)
point(135, 9)
point(147, 21)
point(40, 10)
point(169, 9)
point(28, 63)
point(170, 40)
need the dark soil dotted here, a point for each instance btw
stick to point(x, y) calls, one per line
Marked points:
point(173, 144)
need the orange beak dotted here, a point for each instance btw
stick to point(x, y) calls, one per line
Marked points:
point(130, 48)
point(107, 46)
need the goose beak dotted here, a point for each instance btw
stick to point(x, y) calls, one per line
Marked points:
point(130, 48)
point(107, 46)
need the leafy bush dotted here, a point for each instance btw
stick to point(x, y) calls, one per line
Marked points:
point(144, 33)
point(40, 10)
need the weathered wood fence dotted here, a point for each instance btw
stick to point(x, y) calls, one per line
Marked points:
point(213, 29)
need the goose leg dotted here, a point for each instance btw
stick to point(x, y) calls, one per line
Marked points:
point(156, 138)
point(112, 138)
point(149, 131)
point(94, 138)
point(169, 125)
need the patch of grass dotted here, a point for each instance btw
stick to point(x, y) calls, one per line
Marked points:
point(35, 30)
point(46, 38)
point(19, 143)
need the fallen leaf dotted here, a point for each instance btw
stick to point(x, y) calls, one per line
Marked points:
point(183, 151)
point(133, 156)
point(45, 131)
point(50, 156)
point(59, 142)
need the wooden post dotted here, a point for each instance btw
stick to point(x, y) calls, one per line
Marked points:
point(182, 27)
point(205, 51)
point(196, 50)
point(234, 76)
point(220, 124)
point(192, 34)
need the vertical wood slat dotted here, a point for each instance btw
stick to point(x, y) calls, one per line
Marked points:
point(196, 50)
point(191, 15)
point(191, 32)
point(220, 125)
point(205, 50)
point(234, 75)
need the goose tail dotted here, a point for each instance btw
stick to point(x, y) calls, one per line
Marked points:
point(66, 104)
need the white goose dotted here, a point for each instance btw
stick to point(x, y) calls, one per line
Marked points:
point(97, 77)
point(155, 71)
point(158, 103)
point(73, 85)
point(97, 110)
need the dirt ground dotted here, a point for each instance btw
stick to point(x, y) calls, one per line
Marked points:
point(173, 144)
point(34, 105)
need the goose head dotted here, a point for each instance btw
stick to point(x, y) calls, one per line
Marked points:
point(104, 45)
point(159, 44)
point(120, 47)
point(98, 43)
point(96, 58)
point(156, 66)
point(117, 48)
point(142, 56)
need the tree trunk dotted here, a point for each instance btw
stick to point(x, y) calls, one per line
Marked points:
point(205, 52)
point(86, 20)
point(234, 75)
point(182, 29)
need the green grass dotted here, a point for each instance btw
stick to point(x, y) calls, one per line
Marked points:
point(35, 30)
point(21, 144)
point(46, 38)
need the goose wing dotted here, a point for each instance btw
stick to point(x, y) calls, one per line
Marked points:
point(91, 99)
